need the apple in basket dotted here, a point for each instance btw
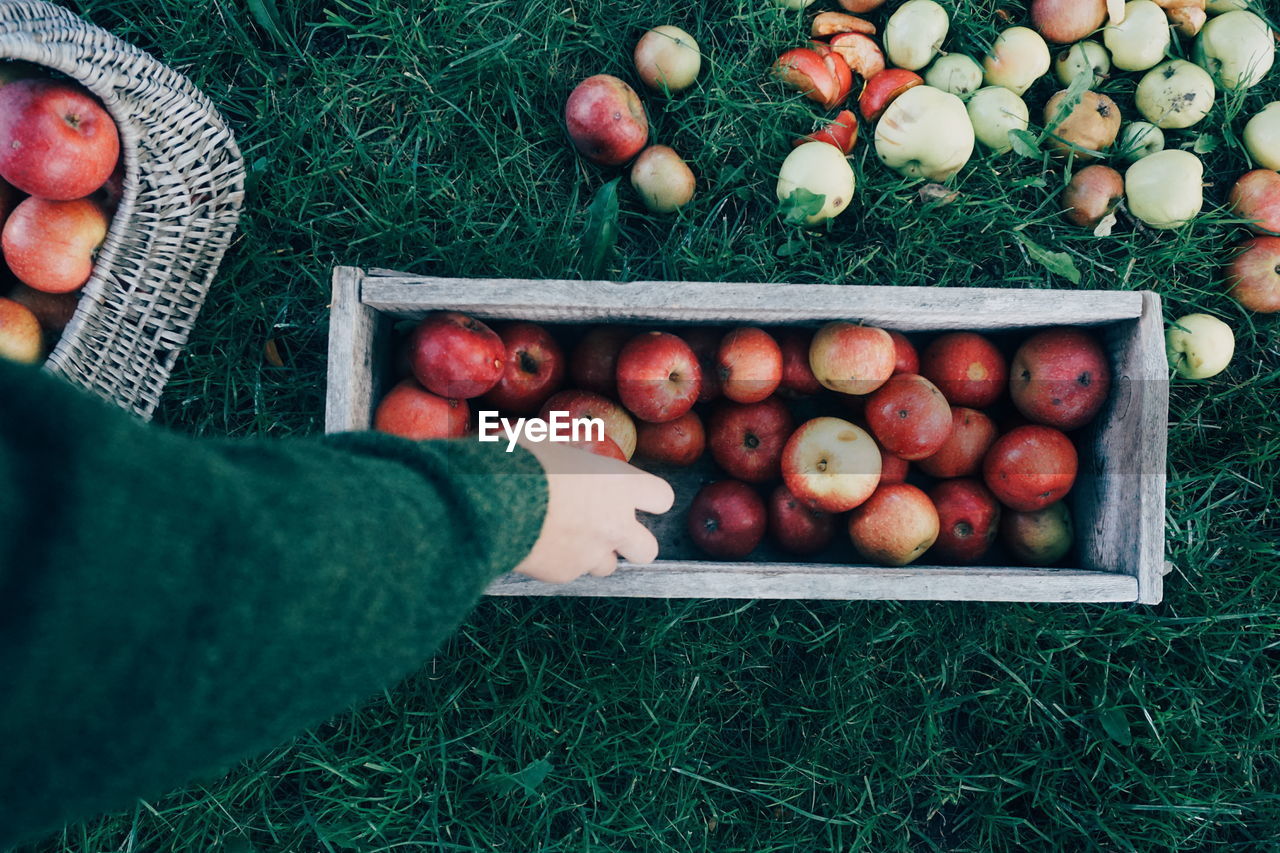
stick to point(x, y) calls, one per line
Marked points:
point(56, 140)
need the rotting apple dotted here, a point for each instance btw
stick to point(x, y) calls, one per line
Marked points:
point(578, 404)
point(1060, 377)
point(925, 133)
point(915, 32)
point(1080, 57)
point(966, 367)
point(828, 24)
point(1255, 197)
point(1199, 346)
point(56, 141)
point(797, 377)
point(839, 69)
point(819, 170)
point(662, 179)
point(909, 416)
point(1175, 94)
point(1138, 139)
point(606, 120)
point(1019, 57)
point(51, 245)
point(1254, 275)
point(852, 359)
point(883, 88)
point(746, 439)
point(748, 365)
point(456, 356)
point(1038, 538)
point(894, 526)
point(842, 133)
point(1237, 49)
point(1262, 136)
point(994, 112)
point(1141, 39)
point(1030, 467)
point(1091, 194)
point(1164, 190)
point(411, 411)
point(594, 363)
point(830, 464)
point(956, 74)
point(797, 527)
point(1065, 21)
point(533, 369)
point(968, 519)
point(20, 337)
point(727, 519)
point(667, 59)
point(658, 377)
point(1187, 17)
point(678, 442)
point(1090, 127)
point(860, 53)
point(804, 70)
point(961, 455)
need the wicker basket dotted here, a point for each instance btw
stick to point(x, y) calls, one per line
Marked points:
point(183, 187)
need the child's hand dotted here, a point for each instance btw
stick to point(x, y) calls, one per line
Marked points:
point(591, 515)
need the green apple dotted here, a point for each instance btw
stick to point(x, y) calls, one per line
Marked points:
point(1175, 94)
point(925, 133)
point(914, 33)
point(955, 73)
point(1237, 49)
point(1199, 346)
point(1018, 58)
point(1139, 139)
point(1164, 190)
point(1218, 7)
point(994, 111)
point(1039, 538)
point(1141, 39)
point(820, 169)
point(667, 59)
point(1262, 136)
point(1081, 56)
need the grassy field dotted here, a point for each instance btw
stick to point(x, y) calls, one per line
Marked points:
point(428, 138)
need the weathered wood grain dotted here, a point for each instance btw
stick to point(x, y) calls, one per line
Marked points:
point(352, 355)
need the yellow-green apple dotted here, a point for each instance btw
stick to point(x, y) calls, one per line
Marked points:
point(1139, 139)
point(883, 88)
point(662, 179)
point(972, 434)
point(1175, 94)
point(915, 32)
point(705, 343)
point(658, 377)
point(967, 368)
point(51, 245)
point(830, 464)
point(20, 338)
point(56, 141)
point(860, 53)
point(606, 120)
point(411, 411)
point(1254, 276)
point(797, 377)
point(909, 416)
point(821, 170)
point(1141, 39)
point(968, 519)
point(1256, 198)
point(1039, 538)
point(1030, 467)
point(667, 59)
point(955, 73)
point(1237, 49)
point(456, 356)
point(578, 404)
point(53, 310)
point(1065, 21)
point(852, 359)
point(1018, 58)
point(1090, 126)
point(746, 439)
point(533, 369)
point(793, 4)
point(748, 365)
point(1199, 346)
point(804, 70)
point(1262, 136)
point(905, 357)
point(1080, 57)
point(1060, 377)
point(797, 527)
point(894, 526)
point(1092, 193)
point(679, 442)
point(925, 133)
point(594, 363)
point(727, 519)
point(1164, 189)
point(842, 133)
point(1218, 7)
point(994, 111)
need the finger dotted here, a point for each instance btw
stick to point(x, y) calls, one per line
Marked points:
point(607, 566)
point(638, 544)
point(653, 494)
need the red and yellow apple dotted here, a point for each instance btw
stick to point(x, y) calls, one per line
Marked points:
point(606, 120)
point(894, 526)
point(578, 404)
point(20, 338)
point(852, 359)
point(749, 365)
point(51, 245)
point(56, 140)
point(967, 368)
point(667, 59)
point(1256, 197)
point(658, 377)
point(961, 455)
point(1038, 538)
point(1254, 275)
point(456, 356)
point(411, 411)
point(831, 464)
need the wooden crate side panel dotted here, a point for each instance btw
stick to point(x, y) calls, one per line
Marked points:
point(353, 352)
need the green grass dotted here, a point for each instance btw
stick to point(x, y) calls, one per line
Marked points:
point(427, 137)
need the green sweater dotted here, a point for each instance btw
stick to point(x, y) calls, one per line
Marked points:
point(169, 606)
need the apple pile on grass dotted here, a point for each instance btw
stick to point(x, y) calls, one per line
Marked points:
point(941, 450)
point(59, 178)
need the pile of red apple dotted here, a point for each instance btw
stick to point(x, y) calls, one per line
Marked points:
point(60, 176)
point(847, 426)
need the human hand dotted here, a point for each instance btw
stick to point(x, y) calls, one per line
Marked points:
point(591, 514)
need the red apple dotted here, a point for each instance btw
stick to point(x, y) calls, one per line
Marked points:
point(893, 469)
point(1065, 21)
point(594, 364)
point(585, 404)
point(1060, 377)
point(56, 141)
point(20, 338)
point(797, 376)
point(1030, 467)
point(746, 439)
point(602, 446)
point(456, 356)
point(967, 368)
point(909, 416)
point(1039, 538)
point(906, 359)
point(805, 71)
point(894, 526)
point(606, 120)
point(961, 455)
point(411, 411)
point(1254, 277)
point(839, 69)
point(842, 133)
point(53, 310)
point(749, 365)
point(50, 245)
point(727, 519)
point(883, 88)
point(1256, 197)
point(852, 359)
point(968, 515)
point(830, 464)
point(532, 372)
point(658, 377)
point(705, 343)
point(678, 442)
point(796, 526)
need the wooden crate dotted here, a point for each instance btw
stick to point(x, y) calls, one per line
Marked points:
point(1117, 503)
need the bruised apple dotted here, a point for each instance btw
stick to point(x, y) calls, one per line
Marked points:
point(1080, 57)
point(925, 133)
point(1175, 94)
point(606, 120)
point(411, 411)
point(968, 519)
point(909, 417)
point(1091, 125)
point(1060, 377)
point(894, 526)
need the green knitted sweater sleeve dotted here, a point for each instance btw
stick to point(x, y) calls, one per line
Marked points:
point(171, 605)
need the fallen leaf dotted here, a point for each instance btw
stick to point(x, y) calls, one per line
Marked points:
point(1105, 226)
